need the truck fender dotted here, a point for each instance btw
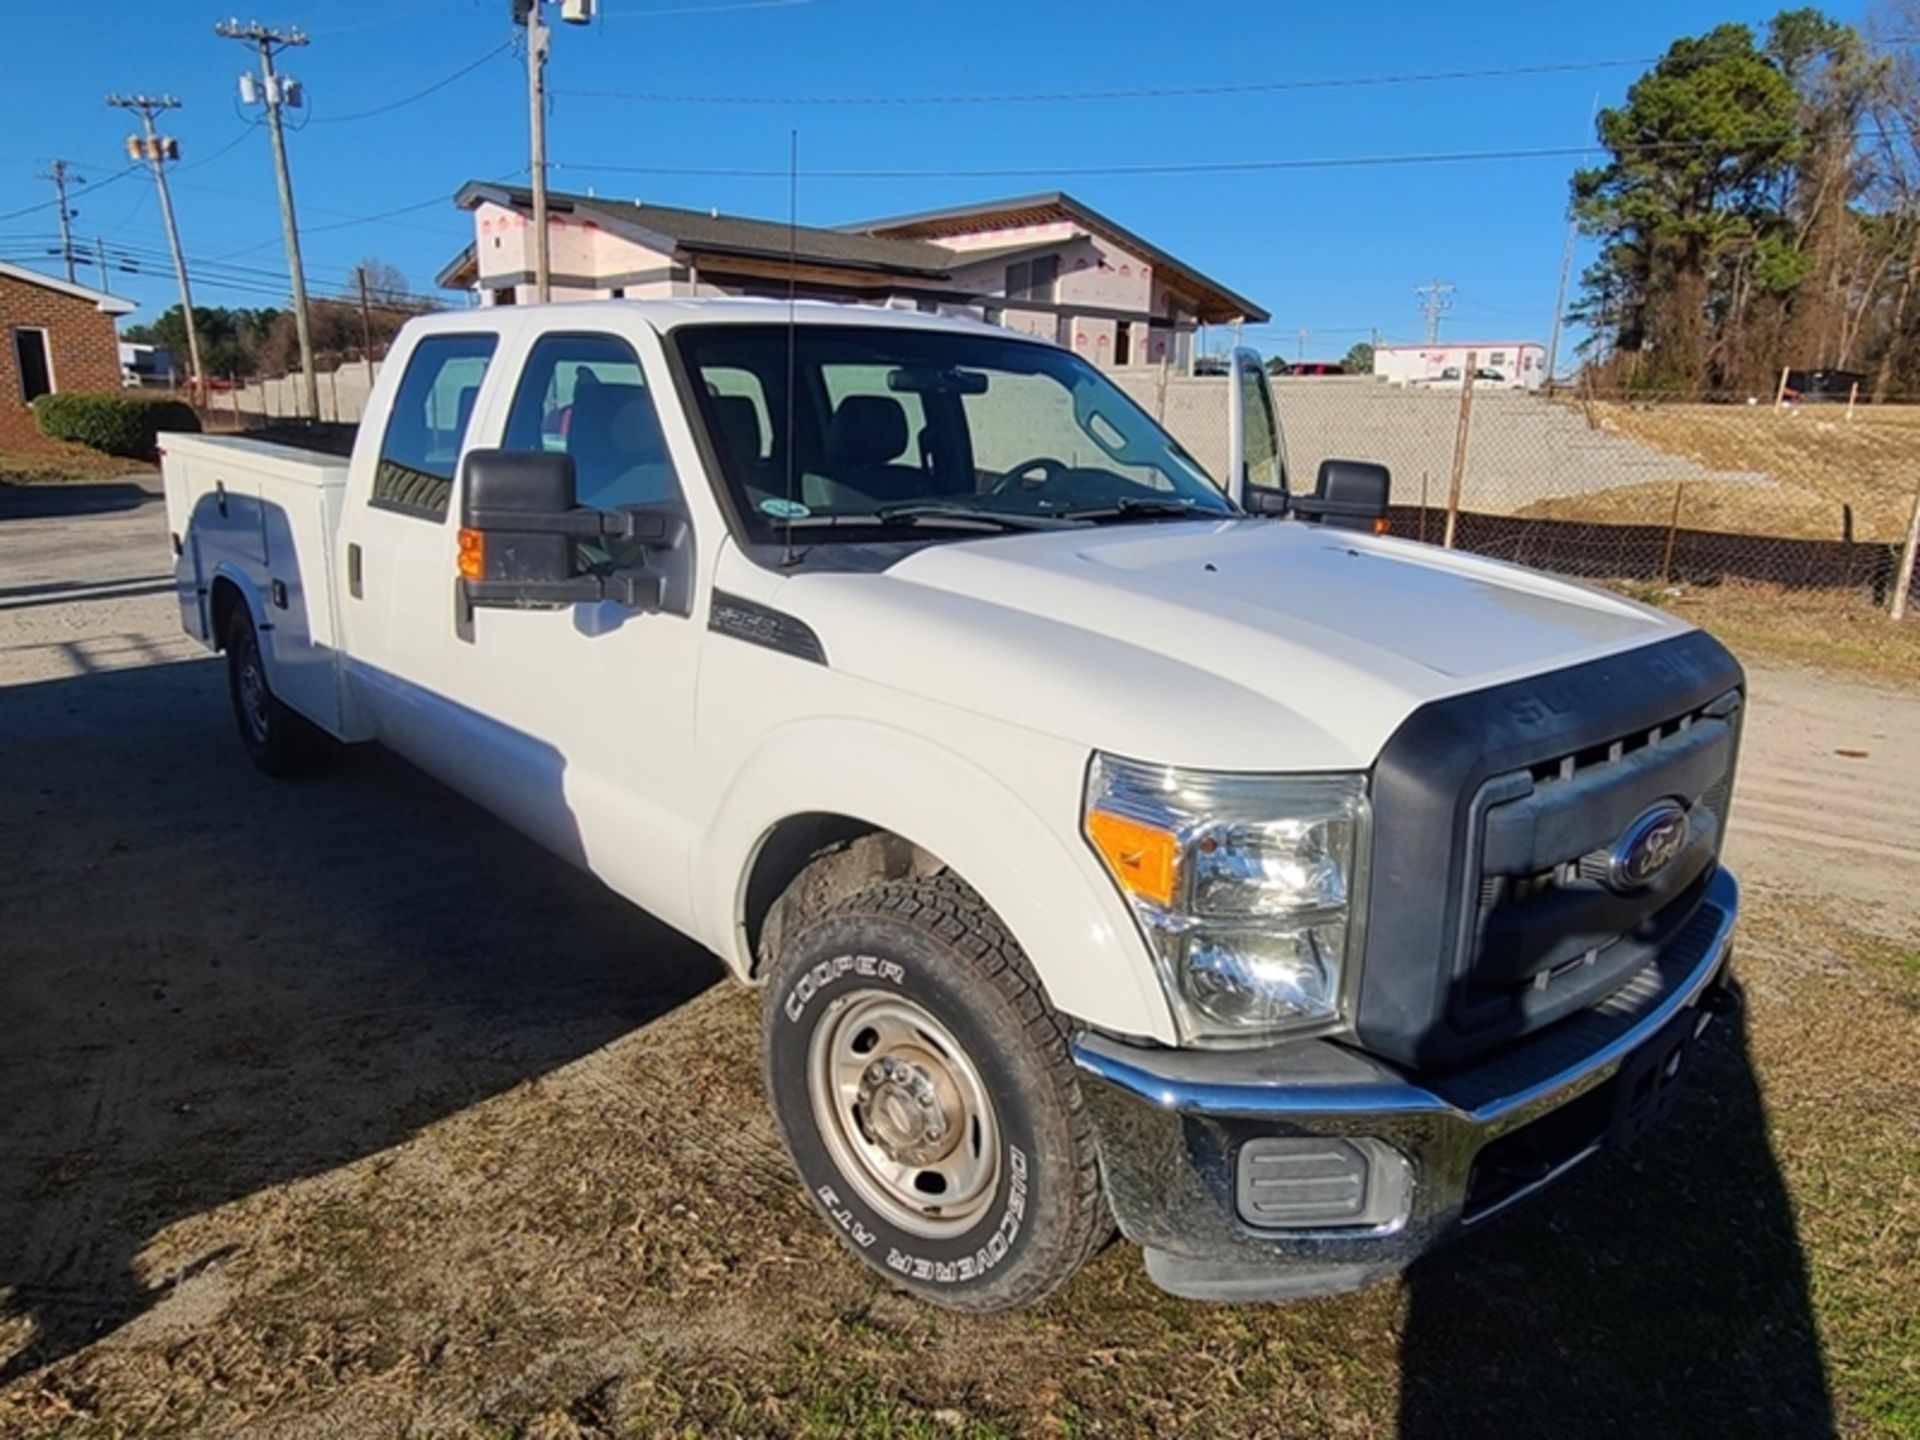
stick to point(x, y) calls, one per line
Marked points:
point(1047, 890)
point(250, 596)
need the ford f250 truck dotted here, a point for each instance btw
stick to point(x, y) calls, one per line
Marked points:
point(1114, 846)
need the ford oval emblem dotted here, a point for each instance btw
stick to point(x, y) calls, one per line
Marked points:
point(1648, 847)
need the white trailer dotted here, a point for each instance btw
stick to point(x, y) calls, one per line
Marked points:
point(1520, 364)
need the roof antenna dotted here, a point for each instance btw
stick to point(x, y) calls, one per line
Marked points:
point(793, 264)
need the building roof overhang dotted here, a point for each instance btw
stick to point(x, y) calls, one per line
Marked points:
point(102, 301)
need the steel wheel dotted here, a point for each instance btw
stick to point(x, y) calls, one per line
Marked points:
point(904, 1112)
point(251, 683)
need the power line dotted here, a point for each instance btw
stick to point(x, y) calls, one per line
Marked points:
point(1153, 92)
point(245, 134)
point(76, 191)
point(1171, 167)
point(726, 7)
point(439, 84)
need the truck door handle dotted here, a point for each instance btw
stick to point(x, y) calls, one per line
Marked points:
point(353, 570)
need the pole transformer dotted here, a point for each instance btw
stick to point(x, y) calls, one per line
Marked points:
point(156, 152)
point(278, 91)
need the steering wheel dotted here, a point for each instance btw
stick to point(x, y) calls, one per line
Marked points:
point(1049, 468)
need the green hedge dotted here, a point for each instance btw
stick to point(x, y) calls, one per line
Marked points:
point(119, 424)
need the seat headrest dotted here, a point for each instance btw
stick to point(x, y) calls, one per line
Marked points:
point(866, 430)
point(597, 405)
point(739, 425)
point(635, 429)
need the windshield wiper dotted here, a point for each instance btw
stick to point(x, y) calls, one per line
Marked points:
point(958, 517)
point(1133, 507)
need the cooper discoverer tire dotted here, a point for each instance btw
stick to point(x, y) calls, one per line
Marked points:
point(928, 1097)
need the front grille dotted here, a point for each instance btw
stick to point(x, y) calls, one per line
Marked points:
point(1495, 811)
point(1544, 933)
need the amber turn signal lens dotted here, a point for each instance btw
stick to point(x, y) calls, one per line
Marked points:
point(1142, 858)
point(473, 554)
point(1380, 526)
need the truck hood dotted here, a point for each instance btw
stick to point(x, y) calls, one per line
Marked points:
point(1239, 644)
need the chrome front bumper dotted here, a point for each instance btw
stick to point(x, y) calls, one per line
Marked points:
point(1173, 1125)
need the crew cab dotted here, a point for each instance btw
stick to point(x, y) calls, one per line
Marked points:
point(1115, 843)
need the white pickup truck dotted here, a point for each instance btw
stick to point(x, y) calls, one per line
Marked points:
point(1113, 846)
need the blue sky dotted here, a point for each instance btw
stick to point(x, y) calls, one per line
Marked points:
point(1334, 250)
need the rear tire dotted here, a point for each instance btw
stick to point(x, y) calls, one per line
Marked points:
point(929, 1099)
point(276, 739)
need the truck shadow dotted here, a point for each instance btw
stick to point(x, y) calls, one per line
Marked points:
point(1661, 1291)
point(44, 502)
point(212, 983)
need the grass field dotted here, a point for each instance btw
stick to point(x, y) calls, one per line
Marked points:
point(1824, 466)
point(1834, 630)
point(69, 462)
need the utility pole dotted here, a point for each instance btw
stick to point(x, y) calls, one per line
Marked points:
point(156, 152)
point(1566, 267)
point(278, 90)
point(1460, 450)
point(100, 255)
point(1300, 353)
point(539, 41)
point(1434, 306)
point(58, 174)
point(366, 324)
point(538, 38)
point(1560, 301)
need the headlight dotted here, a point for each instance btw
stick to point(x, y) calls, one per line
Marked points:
point(1245, 886)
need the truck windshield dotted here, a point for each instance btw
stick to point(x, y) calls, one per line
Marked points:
point(893, 429)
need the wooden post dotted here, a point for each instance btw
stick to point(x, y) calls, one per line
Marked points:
point(233, 394)
point(1905, 581)
point(1460, 449)
point(333, 388)
point(1673, 528)
point(1780, 390)
point(1423, 504)
point(1853, 394)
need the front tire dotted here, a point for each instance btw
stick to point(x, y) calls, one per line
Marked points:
point(929, 1099)
point(276, 739)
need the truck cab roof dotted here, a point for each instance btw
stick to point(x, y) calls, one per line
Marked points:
point(667, 315)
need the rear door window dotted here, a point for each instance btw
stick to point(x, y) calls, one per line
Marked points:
point(428, 424)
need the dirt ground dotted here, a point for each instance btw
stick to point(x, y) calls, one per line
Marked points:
point(337, 1109)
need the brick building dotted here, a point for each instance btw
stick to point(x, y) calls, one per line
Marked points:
point(59, 336)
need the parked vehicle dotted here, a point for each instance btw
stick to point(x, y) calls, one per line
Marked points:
point(1450, 379)
point(1110, 847)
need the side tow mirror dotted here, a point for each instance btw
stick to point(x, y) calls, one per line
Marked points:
point(1348, 495)
point(520, 534)
point(510, 546)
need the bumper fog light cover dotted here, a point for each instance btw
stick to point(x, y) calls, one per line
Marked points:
point(1322, 1182)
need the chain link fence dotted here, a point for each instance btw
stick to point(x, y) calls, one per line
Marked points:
point(1644, 489)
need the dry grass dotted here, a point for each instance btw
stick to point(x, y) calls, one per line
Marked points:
point(1833, 630)
point(69, 463)
point(618, 1249)
point(1822, 463)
